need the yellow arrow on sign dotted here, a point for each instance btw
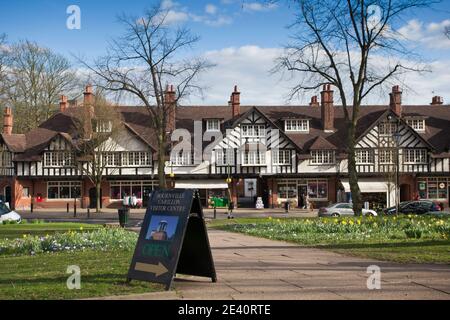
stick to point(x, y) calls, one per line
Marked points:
point(158, 269)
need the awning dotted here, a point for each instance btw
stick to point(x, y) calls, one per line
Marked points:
point(368, 186)
point(201, 184)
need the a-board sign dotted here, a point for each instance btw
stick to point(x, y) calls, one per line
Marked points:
point(173, 239)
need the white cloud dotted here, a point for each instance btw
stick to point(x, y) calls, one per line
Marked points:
point(256, 6)
point(211, 9)
point(430, 35)
point(249, 68)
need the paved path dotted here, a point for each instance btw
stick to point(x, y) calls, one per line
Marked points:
point(254, 268)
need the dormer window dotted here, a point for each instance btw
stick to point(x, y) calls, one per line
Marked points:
point(296, 125)
point(417, 124)
point(213, 125)
point(103, 126)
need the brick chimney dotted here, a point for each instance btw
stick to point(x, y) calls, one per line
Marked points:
point(327, 105)
point(396, 100)
point(437, 100)
point(170, 103)
point(314, 102)
point(88, 96)
point(235, 102)
point(7, 121)
point(63, 104)
point(88, 111)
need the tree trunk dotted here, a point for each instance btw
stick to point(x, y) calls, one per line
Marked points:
point(162, 161)
point(98, 192)
point(352, 172)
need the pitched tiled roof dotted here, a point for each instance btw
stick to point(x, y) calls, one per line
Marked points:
point(29, 147)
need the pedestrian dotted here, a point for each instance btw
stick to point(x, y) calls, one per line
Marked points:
point(230, 210)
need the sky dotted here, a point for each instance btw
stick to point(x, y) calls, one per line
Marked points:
point(242, 38)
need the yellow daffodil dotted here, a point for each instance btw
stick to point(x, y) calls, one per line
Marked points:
point(344, 222)
point(351, 222)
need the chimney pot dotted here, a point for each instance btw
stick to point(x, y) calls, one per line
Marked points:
point(437, 100)
point(314, 101)
point(88, 96)
point(7, 121)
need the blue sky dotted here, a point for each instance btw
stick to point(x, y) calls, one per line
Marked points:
point(241, 37)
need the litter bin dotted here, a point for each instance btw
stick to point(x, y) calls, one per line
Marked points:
point(123, 216)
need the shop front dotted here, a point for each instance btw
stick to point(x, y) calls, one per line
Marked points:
point(377, 193)
point(301, 191)
point(211, 191)
point(435, 189)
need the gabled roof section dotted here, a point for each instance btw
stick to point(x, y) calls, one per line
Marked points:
point(320, 143)
point(395, 116)
point(14, 142)
point(243, 116)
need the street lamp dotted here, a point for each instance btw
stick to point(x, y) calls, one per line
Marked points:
point(397, 137)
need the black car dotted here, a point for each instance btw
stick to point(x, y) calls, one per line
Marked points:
point(415, 207)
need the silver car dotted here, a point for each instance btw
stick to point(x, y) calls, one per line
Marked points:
point(343, 209)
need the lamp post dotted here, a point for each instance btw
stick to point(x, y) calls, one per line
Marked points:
point(397, 136)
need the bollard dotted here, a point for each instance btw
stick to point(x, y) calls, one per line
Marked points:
point(215, 212)
point(89, 213)
point(75, 210)
point(32, 205)
point(67, 207)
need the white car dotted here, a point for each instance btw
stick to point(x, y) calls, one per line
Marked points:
point(343, 209)
point(6, 214)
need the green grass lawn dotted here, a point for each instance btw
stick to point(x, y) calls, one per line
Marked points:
point(43, 276)
point(379, 238)
point(12, 231)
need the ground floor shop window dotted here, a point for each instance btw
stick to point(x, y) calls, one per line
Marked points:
point(316, 189)
point(63, 190)
point(433, 188)
point(139, 189)
point(286, 191)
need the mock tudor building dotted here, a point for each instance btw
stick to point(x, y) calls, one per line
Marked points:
point(278, 153)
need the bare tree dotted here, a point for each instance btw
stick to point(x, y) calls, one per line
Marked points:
point(447, 32)
point(98, 127)
point(351, 45)
point(3, 67)
point(143, 62)
point(37, 77)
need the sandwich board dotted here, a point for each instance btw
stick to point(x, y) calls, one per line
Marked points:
point(173, 239)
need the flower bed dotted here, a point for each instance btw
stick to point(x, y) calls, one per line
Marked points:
point(102, 239)
point(349, 229)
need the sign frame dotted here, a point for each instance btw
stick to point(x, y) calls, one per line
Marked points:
point(173, 239)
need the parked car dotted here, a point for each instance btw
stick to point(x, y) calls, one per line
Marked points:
point(6, 214)
point(416, 207)
point(342, 209)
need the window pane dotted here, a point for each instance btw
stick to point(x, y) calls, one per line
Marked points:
point(115, 193)
point(53, 193)
point(322, 190)
point(64, 193)
point(312, 189)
